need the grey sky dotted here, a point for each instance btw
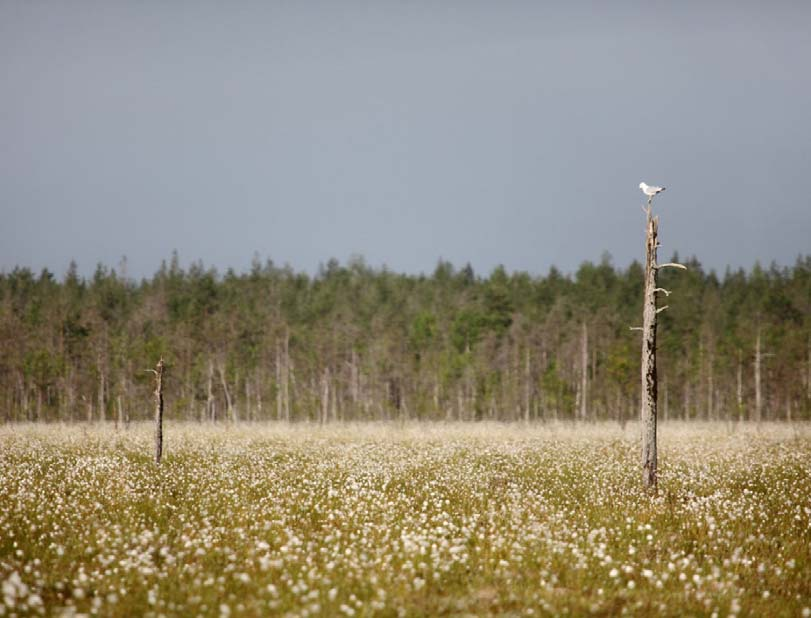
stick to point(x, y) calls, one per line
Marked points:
point(489, 132)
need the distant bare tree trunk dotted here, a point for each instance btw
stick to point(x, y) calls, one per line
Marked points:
point(249, 410)
point(710, 387)
point(333, 403)
point(230, 409)
point(285, 377)
point(354, 379)
point(758, 392)
point(808, 373)
point(649, 322)
point(739, 390)
point(527, 387)
point(584, 377)
point(102, 388)
point(260, 415)
point(210, 409)
point(279, 414)
point(158, 371)
point(324, 396)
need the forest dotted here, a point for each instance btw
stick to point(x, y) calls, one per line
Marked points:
point(352, 342)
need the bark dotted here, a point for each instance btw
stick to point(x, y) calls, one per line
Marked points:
point(279, 414)
point(230, 409)
point(158, 371)
point(527, 387)
point(584, 370)
point(285, 376)
point(739, 387)
point(354, 379)
point(808, 373)
point(325, 392)
point(249, 409)
point(649, 377)
point(333, 402)
point(259, 407)
point(649, 392)
point(210, 409)
point(758, 391)
point(102, 388)
point(710, 388)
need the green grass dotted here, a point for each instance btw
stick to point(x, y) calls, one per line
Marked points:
point(404, 520)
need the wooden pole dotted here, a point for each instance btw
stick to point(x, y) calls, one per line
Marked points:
point(158, 371)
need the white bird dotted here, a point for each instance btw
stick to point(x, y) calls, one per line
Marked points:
point(650, 191)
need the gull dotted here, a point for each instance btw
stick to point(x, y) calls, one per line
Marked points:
point(650, 191)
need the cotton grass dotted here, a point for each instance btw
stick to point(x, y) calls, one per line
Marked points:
point(380, 519)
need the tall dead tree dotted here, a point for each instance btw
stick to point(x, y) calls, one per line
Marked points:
point(584, 372)
point(283, 378)
point(650, 311)
point(158, 371)
point(759, 356)
point(739, 386)
point(527, 386)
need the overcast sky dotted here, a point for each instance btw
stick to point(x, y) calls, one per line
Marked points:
point(511, 133)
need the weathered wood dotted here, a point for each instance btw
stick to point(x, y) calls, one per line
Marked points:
point(158, 371)
point(230, 408)
point(739, 386)
point(210, 408)
point(758, 391)
point(649, 377)
point(584, 371)
point(527, 386)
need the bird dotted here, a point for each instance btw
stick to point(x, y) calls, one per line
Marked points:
point(650, 191)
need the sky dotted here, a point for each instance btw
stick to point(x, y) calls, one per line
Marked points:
point(512, 133)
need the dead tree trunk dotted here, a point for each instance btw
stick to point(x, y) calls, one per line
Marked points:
point(210, 411)
point(649, 321)
point(758, 392)
point(324, 396)
point(285, 377)
point(102, 393)
point(230, 408)
point(808, 373)
point(158, 371)
point(527, 387)
point(739, 387)
point(584, 378)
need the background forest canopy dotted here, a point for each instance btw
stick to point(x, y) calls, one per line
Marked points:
point(358, 343)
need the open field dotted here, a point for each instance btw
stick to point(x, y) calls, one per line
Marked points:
point(482, 519)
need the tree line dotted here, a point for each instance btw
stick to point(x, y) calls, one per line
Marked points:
point(354, 342)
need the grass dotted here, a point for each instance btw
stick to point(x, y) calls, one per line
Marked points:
point(411, 520)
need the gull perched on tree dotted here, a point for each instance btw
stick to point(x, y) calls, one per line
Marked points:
point(650, 191)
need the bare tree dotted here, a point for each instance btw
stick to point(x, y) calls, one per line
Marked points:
point(158, 371)
point(650, 311)
point(584, 372)
point(759, 356)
